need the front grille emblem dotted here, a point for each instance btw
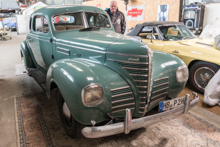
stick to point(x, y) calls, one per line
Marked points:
point(133, 59)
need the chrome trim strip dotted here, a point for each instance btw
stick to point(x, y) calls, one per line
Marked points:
point(142, 91)
point(141, 81)
point(160, 90)
point(127, 61)
point(158, 95)
point(138, 75)
point(118, 106)
point(63, 49)
point(72, 46)
point(122, 110)
point(150, 72)
point(161, 79)
point(63, 53)
point(204, 44)
point(121, 94)
point(120, 88)
point(142, 97)
point(66, 51)
point(117, 128)
point(122, 100)
point(141, 86)
point(161, 84)
point(132, 55)
point(38, 38)
point(135, 68)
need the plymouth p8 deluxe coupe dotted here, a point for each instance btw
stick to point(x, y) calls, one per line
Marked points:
point(201, 57)
point(105, 81)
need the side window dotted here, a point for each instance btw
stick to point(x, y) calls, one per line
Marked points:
point(40, 24)
point(148, 32)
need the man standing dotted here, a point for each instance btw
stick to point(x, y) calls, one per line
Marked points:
point(117, 17)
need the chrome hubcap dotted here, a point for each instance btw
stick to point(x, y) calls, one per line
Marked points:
point(202, 76)
point(66, 112)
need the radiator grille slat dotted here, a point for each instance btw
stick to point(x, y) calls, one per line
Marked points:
point(160, 90)
point(139, 73)
point(122, 98)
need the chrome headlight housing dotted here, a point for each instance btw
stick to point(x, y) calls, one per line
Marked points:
point(182, 74)
point(92, 95)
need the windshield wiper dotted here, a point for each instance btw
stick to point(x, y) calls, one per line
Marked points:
point(90, 29)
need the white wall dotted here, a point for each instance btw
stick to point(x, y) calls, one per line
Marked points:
point(193, 1)
point(212, 11)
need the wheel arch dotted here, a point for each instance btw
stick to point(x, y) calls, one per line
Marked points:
point(195, 61)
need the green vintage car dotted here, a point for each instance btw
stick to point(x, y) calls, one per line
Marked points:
point(106, 82)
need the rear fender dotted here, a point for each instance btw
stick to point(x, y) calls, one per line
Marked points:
point(27, 58)
point(72, 75)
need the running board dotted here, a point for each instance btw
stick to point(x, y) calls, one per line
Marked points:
point(39, 77)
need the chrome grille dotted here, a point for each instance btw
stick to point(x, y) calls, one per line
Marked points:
point(122, 98)
point(159, 92)
point(139, 72)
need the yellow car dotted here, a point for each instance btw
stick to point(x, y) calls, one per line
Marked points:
point(201, 57)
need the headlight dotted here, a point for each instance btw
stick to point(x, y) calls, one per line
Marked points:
point(92, 95)
point(182, 74)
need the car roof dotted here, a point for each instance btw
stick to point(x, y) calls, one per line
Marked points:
point(57, 9)
point(138, 27)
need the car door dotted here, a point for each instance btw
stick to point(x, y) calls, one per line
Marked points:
point(40, 44)
point(151, 36)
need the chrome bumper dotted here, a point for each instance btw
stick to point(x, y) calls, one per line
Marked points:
point(129, 124)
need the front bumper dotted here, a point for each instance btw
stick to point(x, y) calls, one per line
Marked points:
point(129, 124)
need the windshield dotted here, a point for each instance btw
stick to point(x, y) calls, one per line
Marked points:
point(176, 32)
point(97, 20)
point(71, 21)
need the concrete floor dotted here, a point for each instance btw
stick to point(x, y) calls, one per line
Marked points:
point(12, 85)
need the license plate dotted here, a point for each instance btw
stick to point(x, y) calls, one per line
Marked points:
point(170, 104)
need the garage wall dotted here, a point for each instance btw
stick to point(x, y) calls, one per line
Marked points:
point(151, 8)
point(212, 12)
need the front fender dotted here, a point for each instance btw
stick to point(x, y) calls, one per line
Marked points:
point(166, 65)
point(27, 58)
point(72, 75)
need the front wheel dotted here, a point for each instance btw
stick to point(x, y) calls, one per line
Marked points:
point(70, 125)
point(200, 74)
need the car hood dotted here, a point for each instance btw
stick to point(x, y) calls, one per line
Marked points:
point(200, 49)
point(103, 40)
point(199, 46)
point(197, 42)
point(99, 40)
